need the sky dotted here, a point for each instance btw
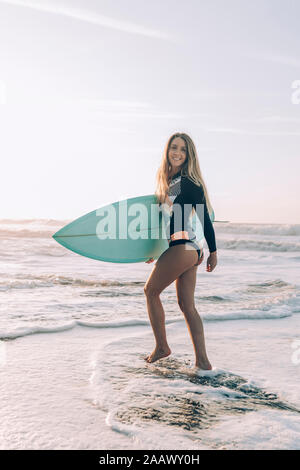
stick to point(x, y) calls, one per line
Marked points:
point(90, 92)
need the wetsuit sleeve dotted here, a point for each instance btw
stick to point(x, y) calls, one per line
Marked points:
point(193, 194)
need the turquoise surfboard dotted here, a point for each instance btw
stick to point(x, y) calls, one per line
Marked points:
point(128, 231)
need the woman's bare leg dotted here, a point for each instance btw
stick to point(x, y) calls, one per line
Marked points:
point(185, 287)
point(170, 265)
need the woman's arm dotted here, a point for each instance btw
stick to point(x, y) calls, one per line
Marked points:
point(195, 195)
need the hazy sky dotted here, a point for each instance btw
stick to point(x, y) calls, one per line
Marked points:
point(91, 90)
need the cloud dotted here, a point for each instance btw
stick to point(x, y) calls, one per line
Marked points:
point(115, 104)
point(128, 109)
point(214, 94)
point(135, 114)
point(138, 109)
point(90, 17)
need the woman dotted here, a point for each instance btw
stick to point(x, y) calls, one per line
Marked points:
point(179, 181)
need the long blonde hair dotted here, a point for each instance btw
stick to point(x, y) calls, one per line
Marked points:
point(190, 168)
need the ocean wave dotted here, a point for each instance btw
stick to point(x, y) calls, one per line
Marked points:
point(45, 228)
point(23, 233)
point(257, 245)
point(275, 313)
point(224, 243)
point(214, 298)
point(30, 281)
point(269, 285)
point(30, 228)
point(228, 227)
point(26, 331)
point(257, 297)
point(259, 229)
point(33, 222)
point(27, 284)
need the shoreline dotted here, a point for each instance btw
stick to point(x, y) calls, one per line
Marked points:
point(49, 399)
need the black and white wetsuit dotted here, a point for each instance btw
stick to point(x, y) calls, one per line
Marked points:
point(182, 190)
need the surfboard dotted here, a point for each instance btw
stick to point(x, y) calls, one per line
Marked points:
point(128, 231)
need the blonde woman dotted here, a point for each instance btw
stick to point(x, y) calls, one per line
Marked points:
point(180, 182)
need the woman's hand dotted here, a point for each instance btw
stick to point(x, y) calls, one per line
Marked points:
point(200, 260)
point(211, 262)
point(150, 260)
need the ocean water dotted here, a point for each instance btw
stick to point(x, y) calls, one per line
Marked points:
point(250, 305)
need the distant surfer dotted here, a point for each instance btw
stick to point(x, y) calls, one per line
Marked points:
point(180, 182)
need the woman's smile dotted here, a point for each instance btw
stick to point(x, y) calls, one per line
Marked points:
point(177, 152)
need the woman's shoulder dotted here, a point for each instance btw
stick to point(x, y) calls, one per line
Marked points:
point(189, 182)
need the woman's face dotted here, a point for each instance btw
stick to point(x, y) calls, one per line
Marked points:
point(177, 153)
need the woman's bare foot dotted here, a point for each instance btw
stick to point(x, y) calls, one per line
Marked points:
point(204, 365)
point(158, 354)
